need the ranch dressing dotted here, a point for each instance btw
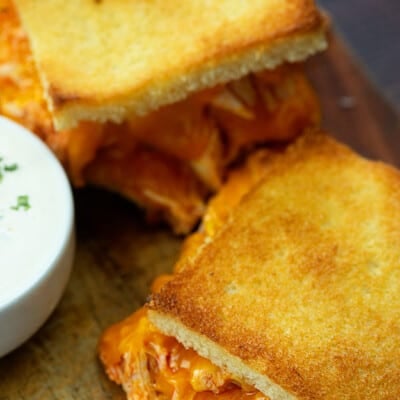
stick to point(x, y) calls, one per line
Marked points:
point(35, 210)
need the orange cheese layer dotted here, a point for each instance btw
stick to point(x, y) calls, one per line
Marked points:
point(149, 364)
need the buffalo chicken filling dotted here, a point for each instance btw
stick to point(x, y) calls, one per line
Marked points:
point(150, 365)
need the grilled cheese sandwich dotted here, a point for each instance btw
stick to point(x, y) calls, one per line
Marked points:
point(294, 296)
point(122, 59)
point(192, 141)
point(175, 371)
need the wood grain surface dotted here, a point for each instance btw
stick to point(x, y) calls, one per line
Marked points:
point(370, 27)
point(118, 255)
point(354, 110)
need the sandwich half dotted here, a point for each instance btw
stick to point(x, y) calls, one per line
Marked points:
point(293, 296)
point(156, 100)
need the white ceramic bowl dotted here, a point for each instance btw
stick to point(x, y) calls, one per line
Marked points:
point(36, 234)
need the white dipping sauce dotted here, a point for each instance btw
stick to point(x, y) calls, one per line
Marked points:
point(36, 240)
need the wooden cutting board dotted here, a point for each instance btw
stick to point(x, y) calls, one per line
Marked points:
point(118, 255)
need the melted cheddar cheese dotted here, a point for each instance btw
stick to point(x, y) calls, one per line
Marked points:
point(150, 365)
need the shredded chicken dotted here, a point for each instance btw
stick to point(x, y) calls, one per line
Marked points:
point(150, 365)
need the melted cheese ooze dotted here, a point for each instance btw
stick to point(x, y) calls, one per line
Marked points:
point(149, 364)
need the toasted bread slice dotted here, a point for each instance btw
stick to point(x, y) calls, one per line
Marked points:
point(104, 60)
point(298, 293)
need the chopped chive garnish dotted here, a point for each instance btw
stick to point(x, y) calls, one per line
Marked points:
point(11, 167)
point(22, 202)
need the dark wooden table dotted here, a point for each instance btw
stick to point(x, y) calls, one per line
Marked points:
point(118, 255)
point(354, 109)
point(372, 30)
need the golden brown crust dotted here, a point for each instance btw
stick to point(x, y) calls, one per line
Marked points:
point(302, 282)
point(105, 60)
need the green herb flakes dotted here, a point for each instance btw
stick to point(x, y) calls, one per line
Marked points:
point(11, 167)
point(22, 203)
